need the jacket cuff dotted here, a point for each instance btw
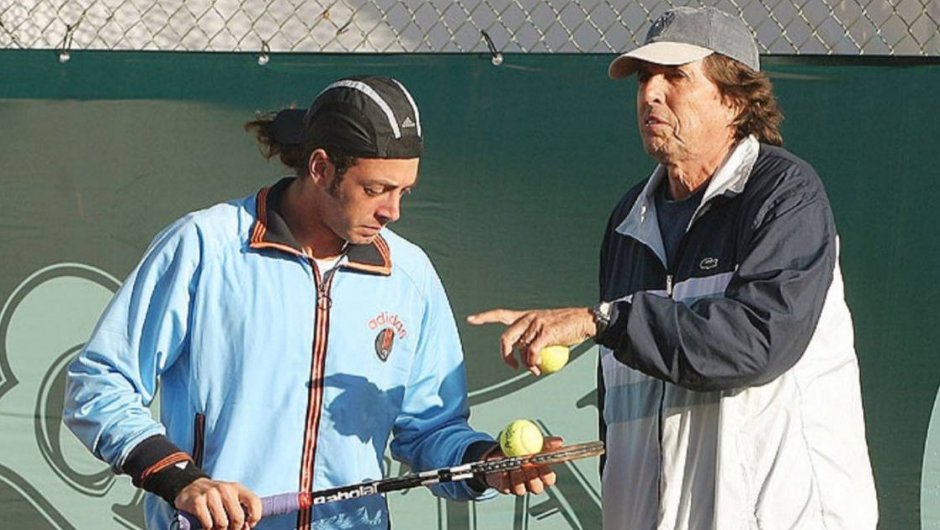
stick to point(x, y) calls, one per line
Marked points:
point(610, 337)
point(476, 452)
point(158, 466)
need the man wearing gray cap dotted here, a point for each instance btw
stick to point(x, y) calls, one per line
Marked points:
point(729, 383)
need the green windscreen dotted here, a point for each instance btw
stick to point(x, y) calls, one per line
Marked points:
point(523, 164)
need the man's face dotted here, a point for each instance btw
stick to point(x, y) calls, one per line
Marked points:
point(680, 112)
point(368, 197)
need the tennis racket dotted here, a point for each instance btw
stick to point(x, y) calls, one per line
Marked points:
point(292, 502)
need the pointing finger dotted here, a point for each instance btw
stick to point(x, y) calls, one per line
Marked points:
point(494, 316)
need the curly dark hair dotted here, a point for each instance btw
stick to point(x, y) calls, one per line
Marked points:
point(295, 155)
point(752, 91)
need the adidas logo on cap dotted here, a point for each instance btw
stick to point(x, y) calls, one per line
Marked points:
point(381, 106)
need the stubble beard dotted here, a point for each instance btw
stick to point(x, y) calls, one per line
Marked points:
point(664, 148)
point(658, 147)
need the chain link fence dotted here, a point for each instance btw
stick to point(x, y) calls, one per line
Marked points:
point(843, 27)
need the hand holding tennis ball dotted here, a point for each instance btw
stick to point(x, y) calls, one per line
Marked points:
point(553, 358)
point(520, 438)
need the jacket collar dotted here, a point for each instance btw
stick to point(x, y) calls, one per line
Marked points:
point(729, 180)
point(271, 231)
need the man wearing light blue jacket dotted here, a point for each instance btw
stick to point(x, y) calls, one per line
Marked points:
point(292, 336)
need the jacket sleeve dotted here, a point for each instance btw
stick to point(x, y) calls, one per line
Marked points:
point(432, 430)
point(766, 318)
point(140, 335)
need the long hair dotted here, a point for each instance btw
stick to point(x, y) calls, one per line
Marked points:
point(752, 91)
point(279, 136)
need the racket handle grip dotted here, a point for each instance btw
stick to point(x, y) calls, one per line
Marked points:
point(186, 521)
point(272, 505)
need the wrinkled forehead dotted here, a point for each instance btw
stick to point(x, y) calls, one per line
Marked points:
point(695, 68)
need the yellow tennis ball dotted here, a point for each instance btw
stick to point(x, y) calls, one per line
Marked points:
point(520, 438)
point(553, 358)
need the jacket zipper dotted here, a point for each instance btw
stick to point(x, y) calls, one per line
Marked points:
point(662, 409)
point(199, 439)
point(315, 395)
point(323, 290)
point(670, 291)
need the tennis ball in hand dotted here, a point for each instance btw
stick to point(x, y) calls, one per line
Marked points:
point(553, 358)
point(520, 438)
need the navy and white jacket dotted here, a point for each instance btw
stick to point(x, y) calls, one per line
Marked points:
point(273, 373)
point(729, 381)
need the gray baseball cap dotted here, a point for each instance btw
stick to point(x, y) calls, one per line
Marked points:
point(686, 34)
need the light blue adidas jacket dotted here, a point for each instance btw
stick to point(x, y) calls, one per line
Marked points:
point(272, 373)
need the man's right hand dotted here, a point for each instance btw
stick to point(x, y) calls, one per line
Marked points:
point(529, 331)
point(220, 505)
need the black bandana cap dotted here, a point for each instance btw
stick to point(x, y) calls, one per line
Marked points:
point(366, 116)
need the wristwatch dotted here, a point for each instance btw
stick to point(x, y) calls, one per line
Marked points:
point(601, 313)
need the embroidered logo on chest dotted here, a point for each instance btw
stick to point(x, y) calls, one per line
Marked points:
point(384, 342)
point(389, 325)
point(708, 264)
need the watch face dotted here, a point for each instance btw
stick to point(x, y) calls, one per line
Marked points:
point(601, 313)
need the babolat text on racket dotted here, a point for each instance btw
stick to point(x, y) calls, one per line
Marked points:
point(292, 502)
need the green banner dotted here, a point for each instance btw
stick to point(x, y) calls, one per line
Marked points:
point(523, 164)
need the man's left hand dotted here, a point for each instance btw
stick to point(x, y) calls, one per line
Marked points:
point(534, 479)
